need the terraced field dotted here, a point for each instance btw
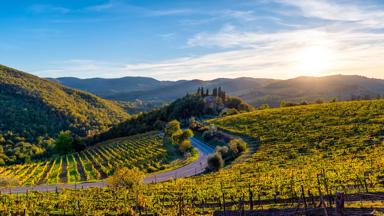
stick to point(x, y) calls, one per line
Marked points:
point(144, 151)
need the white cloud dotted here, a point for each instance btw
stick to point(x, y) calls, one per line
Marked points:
point(45, 8)
point(372, 16)
point(351, 40)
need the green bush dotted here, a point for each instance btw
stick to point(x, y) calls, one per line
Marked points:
point(215, 162)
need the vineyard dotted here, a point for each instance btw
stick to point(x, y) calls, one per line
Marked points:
point(305, 155)
point(144, 151)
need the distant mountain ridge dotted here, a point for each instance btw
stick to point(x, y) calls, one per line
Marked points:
point(144, 88)
point(340, 87)
point(256, 91)
point(106, 87)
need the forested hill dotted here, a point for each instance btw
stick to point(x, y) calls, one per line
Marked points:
point(33, 110)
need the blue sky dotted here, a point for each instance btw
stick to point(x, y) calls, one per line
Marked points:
point(187, 39)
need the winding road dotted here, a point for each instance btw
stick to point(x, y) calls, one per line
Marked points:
point(188, 170)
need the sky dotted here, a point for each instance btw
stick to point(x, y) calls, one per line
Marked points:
point(193, 39)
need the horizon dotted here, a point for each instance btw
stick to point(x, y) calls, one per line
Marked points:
point(245, 77)
point(182, 40)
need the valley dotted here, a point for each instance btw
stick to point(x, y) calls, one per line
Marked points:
point(192, 108)
point(264, 156)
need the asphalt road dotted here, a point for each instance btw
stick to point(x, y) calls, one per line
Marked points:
point(191, 169)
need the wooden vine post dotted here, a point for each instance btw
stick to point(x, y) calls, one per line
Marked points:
point(322, 203)
point(223, 195)
point(250, 197)
point(340, 203)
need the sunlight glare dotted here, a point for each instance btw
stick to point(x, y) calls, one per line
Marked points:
point(314, 61)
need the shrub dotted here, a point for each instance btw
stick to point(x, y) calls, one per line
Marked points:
point(215, 161)
point(186, 134)
point(241, 145)
point(264, 106)
point(223, 150)
point(233, 147)
point(228, 112)
point(63, 143)
point(237, 146)
point(127, 178)
point(184, 146)
point(172, 129)
point(6, 181)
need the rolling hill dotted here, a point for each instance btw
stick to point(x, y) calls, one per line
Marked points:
point(305, 153)
point(254, 91)
point(310, 89)
point(108, 87)
point(33, 110)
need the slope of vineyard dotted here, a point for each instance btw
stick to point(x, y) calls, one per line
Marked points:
point(305, 152)
point(338, 144)
point(33, 110)
point(144, 151)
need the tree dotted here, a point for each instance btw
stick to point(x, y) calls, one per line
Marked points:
point(223, 150)
point(233, 147)
point(172, 128)
point(174, 135)
point(185, 146)
point(63, 143)
point(237, 103)
point(237, 146)
point(198, 91)
point(264, 106)
point(215, 161)
point(188, 133)
point(127, 178)
point(214, 93)
point(192, 122)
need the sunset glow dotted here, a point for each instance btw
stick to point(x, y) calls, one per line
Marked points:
point(314, 61)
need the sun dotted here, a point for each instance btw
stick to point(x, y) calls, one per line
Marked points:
point(314, 61)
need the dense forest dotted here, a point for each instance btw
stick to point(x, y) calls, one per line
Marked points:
point(33, 111)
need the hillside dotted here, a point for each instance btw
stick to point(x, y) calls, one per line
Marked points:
point(33, 110)
point(107, 87)
point(338, 143)
point(149, 89)
point(182, 109)
point(254, 91)
point(310, 89)
point(144, 151)
point(306, 154)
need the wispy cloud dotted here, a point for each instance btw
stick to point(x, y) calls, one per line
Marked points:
point(124, 7)
point(371, 16)
point(170, 12)
point(352, 36)
point(46, 8)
